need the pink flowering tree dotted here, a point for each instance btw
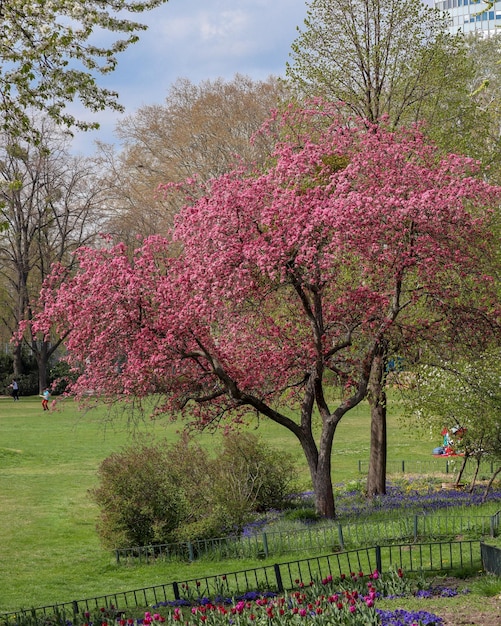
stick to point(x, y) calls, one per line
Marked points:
point(277, 284)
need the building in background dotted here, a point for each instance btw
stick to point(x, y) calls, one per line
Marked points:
point(470, 16)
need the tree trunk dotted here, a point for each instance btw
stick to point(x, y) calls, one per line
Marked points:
point(42, 356)
point(478, 459)
point(17, 361)
point(463, 467)
point(319, 464)
point(324, 494)
point(488, 488)
point(376, 477)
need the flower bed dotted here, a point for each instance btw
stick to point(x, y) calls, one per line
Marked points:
point(349, 600)
point(414, 495)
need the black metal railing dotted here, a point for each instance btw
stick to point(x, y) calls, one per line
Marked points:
point(435, 464)
point(321, 538)
point(278, 577)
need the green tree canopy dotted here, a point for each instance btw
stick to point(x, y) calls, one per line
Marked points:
point(378, 56)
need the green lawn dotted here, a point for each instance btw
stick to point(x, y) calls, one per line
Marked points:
point(49, 549)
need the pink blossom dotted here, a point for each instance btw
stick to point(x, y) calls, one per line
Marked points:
point(351, 233)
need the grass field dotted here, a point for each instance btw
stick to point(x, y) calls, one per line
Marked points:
point(49, 549)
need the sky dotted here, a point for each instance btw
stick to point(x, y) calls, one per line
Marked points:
point(198, 40)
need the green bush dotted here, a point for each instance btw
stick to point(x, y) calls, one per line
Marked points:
point(191, 471)
point(61, 375)
point(208, 527)
point(160, 493)
point(302, 515)
point(250, 476)
point(28, 384)
point(139, 502)
point(5, 365)
point(246, 478)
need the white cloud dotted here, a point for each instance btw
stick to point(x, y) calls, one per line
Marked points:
point(225, 26)
point(199, 40)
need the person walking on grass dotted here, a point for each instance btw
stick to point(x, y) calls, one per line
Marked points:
point(45, 399)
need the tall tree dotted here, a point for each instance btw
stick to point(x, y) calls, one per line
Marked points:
point(380, 57)
point(50, 202)
point(50, 55)
point(390, 58)
point(281, 276)
point(199, 131)
point(473, 126)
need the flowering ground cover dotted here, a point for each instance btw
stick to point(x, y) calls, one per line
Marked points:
point(349, 600)
point(415, 496)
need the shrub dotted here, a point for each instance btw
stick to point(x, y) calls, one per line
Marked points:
point(140, 503)
point(160, 493)
point(28, 384)
point(60, 374)
point(190, 469)
point(250, 477)
point(302, 515)
point(5, 365)
point(208, 527)
point(225, 492)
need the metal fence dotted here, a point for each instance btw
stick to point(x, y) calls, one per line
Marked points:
point(491, 559)
point(278, 577)
point(321, 538)
point(435, 464)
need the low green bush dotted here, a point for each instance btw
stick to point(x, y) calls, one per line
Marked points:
point(251, 476)
point(160, 493)
point(138, 499)
point(302, 515)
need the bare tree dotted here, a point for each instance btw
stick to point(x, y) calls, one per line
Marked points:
point(49, 202)
point(200, 131)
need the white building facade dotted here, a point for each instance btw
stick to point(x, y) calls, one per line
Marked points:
point(469, 16)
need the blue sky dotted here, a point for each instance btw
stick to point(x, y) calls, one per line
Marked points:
point(199, 40)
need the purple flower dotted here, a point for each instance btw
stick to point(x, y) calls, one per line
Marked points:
point(400, 617)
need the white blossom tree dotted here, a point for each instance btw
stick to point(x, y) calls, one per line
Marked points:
point(50, 55)
point(462, 394)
